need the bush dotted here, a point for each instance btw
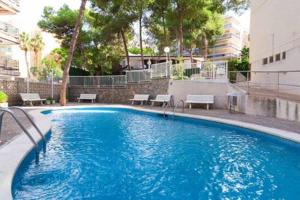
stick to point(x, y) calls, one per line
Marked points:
point(3, 97)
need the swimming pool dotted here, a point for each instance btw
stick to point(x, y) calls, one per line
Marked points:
point(113, 153)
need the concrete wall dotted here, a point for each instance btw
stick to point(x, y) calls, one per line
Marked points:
point(287, 110)
point(13, 88)
point(180, 89)
point(263, 106)
point(121, 94)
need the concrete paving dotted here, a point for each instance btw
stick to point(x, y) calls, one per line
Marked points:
point(9, 127)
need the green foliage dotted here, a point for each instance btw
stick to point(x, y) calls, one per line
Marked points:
point(52, 63)
point(178, 70)
point(24, 39)
point(95, 51)
point(239, 64)
point(3, 97)
point(147, 51)
point(108, 27)
point(37, 43)
point(61, 23)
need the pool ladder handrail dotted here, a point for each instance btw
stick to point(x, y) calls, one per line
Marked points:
point(165, 107)
point(12, 114)
point(33, 124)
point(176, 106)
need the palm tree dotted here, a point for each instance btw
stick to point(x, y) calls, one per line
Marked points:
point(25, 46)
point(37, 44)
point(75, 35)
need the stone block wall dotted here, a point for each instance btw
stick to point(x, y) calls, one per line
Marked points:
point(121, 94)
point(13, 88)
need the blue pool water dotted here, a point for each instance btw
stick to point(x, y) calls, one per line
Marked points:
point(108, 153)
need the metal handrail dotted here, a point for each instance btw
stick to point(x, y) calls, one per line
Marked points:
point(165, 106)
point(34, 125)
point(25, 131)
point(174, 109)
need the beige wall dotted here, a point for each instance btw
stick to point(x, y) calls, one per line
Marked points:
point(275, 27)
point(180, 89)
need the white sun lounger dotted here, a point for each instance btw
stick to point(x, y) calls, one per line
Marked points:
point(199, 99)
point(31, 97)
point(140, 98)
point(91, 97)
point(164, 99)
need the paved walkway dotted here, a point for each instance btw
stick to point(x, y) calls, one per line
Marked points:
point(10, 129)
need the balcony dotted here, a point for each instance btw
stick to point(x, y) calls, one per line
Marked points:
point(9, 67)
point(8, 33)
point(9, 7)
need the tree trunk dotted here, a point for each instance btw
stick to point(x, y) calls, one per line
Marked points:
point(126, 48)
point(28, 72)
point(141, 39)
point(180, 35)
point(35, 58)
point(75, 35)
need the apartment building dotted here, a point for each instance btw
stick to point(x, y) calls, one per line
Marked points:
point(9, 63)
point(275, 44)
point(230, 44)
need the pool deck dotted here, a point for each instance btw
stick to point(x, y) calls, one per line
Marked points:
point(11, 130)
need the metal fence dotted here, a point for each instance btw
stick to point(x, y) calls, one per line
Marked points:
point(161, 70)
point(205, 70)
point(137, 76)
point(101, 81)
point(199, 71)
point(268, 83)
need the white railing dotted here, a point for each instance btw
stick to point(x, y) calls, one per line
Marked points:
point(115, 80)
point(269, 83)
point(198, 71)
point(182, 71)
point(161, 70)
point(137, 76)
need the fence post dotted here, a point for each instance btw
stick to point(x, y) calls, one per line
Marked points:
point(166, 73)
point(278, 83)
point(248, 82)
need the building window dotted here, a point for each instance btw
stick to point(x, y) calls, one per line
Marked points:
point(277, 57)
point(283, 55)
point(265, 61)
point(271, 59)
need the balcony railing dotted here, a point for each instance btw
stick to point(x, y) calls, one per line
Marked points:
point(9, 29)
point(9, 66)
point(12, 3)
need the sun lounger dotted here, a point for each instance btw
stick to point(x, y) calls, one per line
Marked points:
point(199, 99)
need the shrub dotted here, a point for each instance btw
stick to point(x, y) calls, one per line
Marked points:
point(3, 97)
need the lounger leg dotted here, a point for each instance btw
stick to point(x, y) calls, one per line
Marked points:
point(132, 102)
point(152, 104)
point(142, 103)
point(207, 106)
point(190, 106)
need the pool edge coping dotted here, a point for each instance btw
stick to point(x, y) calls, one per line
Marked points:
point(20, 145)
point(14, 152)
